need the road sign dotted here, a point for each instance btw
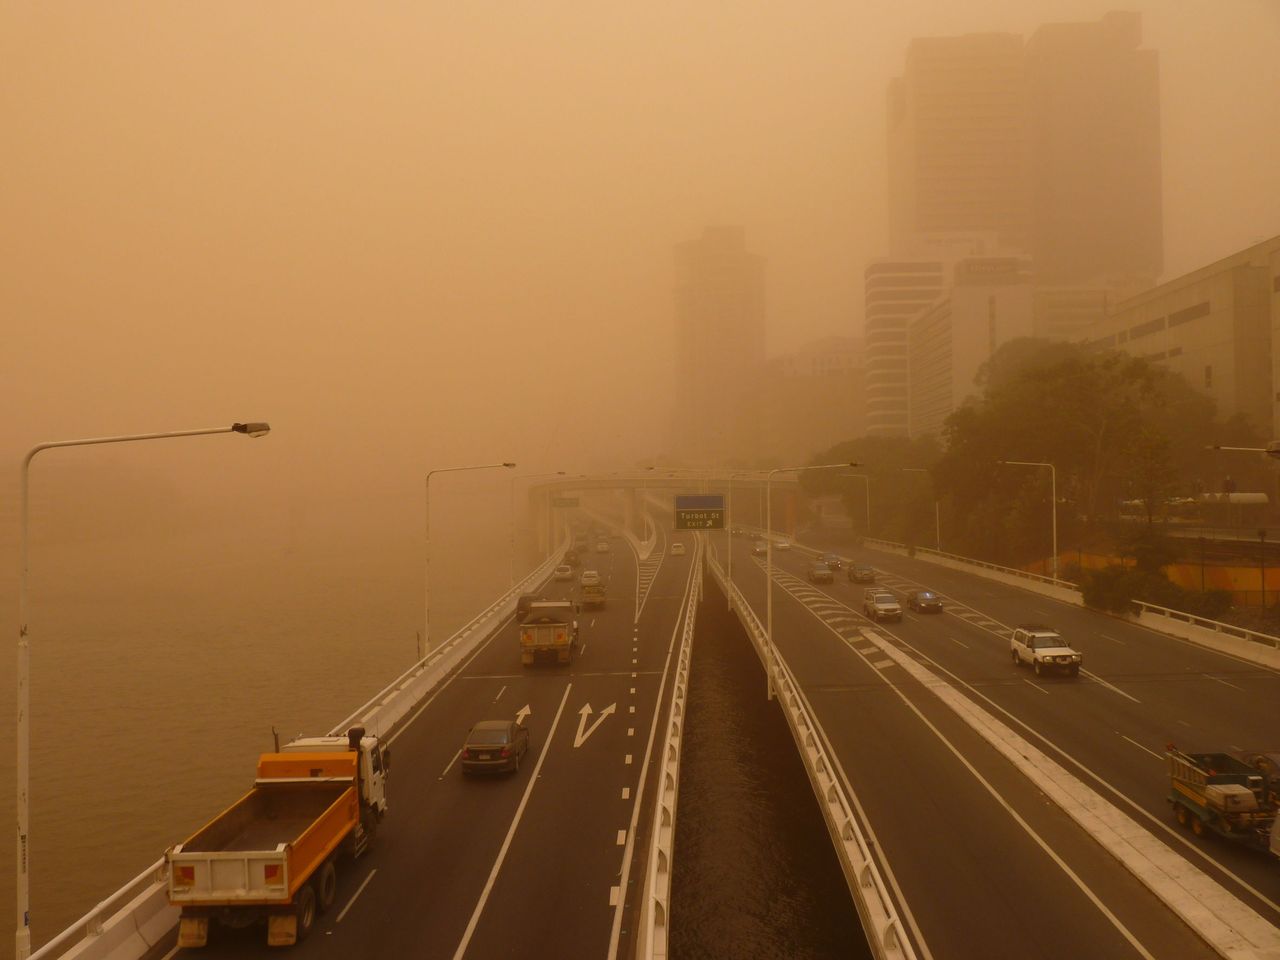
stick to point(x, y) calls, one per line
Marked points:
point(564, 501)
point(703, 511)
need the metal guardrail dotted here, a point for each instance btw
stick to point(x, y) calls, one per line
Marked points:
point(1217, 626)
point(655, 912)
point(1009, 571)
point(862, 874)
point(137, 916)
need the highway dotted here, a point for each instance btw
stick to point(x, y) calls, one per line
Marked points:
point(985, 862)
point(535, 863)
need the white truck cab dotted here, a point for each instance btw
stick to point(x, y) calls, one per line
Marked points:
point(1044, 649)
point(375, 763)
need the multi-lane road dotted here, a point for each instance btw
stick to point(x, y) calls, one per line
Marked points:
point(542, 862)
point(963, 766)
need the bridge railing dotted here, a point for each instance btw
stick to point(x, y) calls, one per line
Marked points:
point(655, 910)
point(862, 873)
point(136, 917)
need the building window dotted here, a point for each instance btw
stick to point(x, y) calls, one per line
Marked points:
point(1189, 313)
point(1142, 329)
point(1208, 378)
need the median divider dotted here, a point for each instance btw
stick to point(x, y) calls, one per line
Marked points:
point(655, 909)
point(867, 886)
point(136, 917)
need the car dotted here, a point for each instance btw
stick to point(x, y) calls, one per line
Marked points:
point(590, 578)
point(861, 573)
point(677, 549)
point(737, 532)
point(832, 561)
point(879, 604)
point(563, 572)
point(571, 558)
point(924, 601)
point(494, 745)
point(759, 548)
point(602, 546)
point(1044, 649)
point(781, 544)
point(820, 573)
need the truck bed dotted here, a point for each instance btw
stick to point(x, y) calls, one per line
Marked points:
point(269, 815)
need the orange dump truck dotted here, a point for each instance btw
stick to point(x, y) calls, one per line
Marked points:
point(273, 855)
point(548, 628)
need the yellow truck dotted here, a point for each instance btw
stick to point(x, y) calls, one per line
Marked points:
point(548, 628)
point(273, 855)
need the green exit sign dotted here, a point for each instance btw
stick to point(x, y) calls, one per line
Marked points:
point(699, 512)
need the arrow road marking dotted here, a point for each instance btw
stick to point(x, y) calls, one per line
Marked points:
point(581, 737)
point(522, 713)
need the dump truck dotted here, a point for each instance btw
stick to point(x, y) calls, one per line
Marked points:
point(274, 854)
point(1223, 794)
point(548, 629)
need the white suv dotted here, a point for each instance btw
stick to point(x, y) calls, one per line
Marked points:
point(1044, 649)
point(879, 604)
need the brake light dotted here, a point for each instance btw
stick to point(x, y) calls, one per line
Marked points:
point(271, 873)
point(184, 876)
point(559, 634)
point(466, 754)
point(506, 751)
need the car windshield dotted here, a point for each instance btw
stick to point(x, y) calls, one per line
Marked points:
point(925, 595)
point(486, 736)
point(1044, 643)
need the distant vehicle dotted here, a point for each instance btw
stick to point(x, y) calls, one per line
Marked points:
point(832, 561)
point(1043, 648)
point(677, 549)
point(1224, 794)
point(924, 601)
point(564, 572)
point(737, 532)
point(879, 604)
point(861, 573)
point(571, 558)
point(589, 578)
point(820, 573)
point(782, 544)
point(593, 592)
point(602, 546)
point(494, 745)
point(759, 548)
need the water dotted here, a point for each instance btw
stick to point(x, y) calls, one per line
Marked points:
point(755, 874)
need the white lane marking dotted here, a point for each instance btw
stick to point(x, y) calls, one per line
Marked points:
point(351, 903)
point(171, 954)
point(583, 650)
point(631, 731)
point(580, 738)
point(634, 662)
point(622, 838)
point(881, 664)
point(511, 832)
point(451, 763)
point(628, 760)
point(1112, 639)
point(1223, 682)
point(1113, 689)
point(633, 691)
point(958, 642)
point(500, 693)
point(632, 708)
point(593, 621)
point(1141, 747)
point(614, 893)
point(523, 713)
point(1035, 686)
point(1184, 723)
point(626, 793)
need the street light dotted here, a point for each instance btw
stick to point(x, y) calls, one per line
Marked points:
point(1053, 506)
point(426, 605)
point(768, 559)
point(22, 935)
point(867, 480)
point(937, 514)
point(728, 522)
point(511, 517)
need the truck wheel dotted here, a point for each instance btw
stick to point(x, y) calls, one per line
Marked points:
point(1037, 668)
point(1197, 826)
point(1180, 814)
point(1017, 661)
point(327, 885)
point(305, 909)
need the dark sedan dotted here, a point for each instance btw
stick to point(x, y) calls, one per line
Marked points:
point(832, 561)
point(861, 573)
point(820, 573)
point(494, 745)
point(924, 601)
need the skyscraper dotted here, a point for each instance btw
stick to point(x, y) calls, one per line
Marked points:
point(720, 343)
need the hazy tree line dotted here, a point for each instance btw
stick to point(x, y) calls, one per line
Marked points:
point(1127, 438)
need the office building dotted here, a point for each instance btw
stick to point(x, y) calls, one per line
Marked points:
point(896, 292)
point(812, 399)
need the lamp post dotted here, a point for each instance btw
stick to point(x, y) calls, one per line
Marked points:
point(728, 522)
point(426, 589)
point(768, 560)
point(867, 480)
point(511, 518)
point(22, 935)
point(937, 514)
point(1053, 495)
